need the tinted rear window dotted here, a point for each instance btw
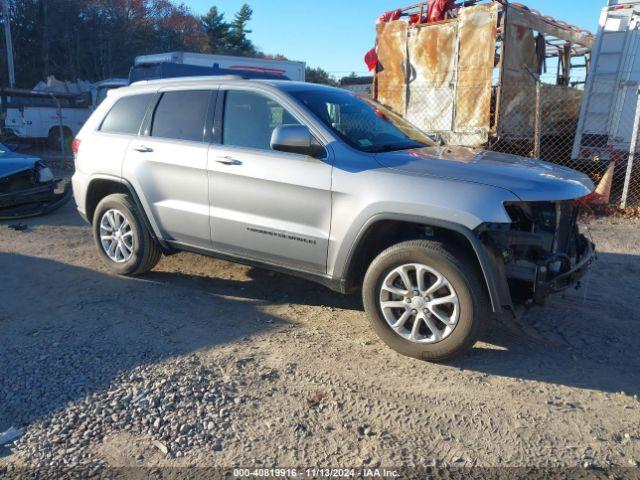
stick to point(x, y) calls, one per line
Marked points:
point(126, 115)
point(181, 115)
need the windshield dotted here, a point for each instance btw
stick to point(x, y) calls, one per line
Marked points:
point(364, 124)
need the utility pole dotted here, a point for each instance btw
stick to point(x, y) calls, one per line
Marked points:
point(6, 18)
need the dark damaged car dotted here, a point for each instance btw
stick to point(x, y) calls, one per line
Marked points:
point(27, 186)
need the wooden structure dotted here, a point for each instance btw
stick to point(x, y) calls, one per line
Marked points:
point(475, 77)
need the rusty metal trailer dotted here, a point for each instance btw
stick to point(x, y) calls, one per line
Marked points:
point(475, 78)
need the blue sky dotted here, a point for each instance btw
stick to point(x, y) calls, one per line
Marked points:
point(335, 34)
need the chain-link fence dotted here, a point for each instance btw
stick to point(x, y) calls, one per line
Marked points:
point(60, 162)
point(43, 124)
point(559, 125)
point(554, 123)
point(533, 119)
point(33, 189)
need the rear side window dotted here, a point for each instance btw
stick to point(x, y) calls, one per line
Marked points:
point(126, 115)
point(181, 115)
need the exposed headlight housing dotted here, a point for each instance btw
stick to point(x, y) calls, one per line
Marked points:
point(534, 216)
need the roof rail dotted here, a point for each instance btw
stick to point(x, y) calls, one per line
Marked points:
point(199, 78)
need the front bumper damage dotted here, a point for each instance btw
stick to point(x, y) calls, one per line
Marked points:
point(541, 253)
point(29, 193)
point(567, 279)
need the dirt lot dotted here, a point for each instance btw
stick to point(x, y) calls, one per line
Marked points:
point(226, 365)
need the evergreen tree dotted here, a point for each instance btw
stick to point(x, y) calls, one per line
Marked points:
point(217, 30)
point(239, 43)
point(319, 75)
point(97, 39)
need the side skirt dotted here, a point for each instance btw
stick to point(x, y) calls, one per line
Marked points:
point(337, 285)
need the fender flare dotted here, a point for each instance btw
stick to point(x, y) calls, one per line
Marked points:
point(491, 266)
point(148, 220)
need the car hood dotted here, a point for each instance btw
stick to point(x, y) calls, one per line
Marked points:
point(12, 163)
point(529, 179)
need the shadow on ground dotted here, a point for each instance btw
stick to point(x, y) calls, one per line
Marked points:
point(580, 339)
point(264, 286)
point(69, 331)
point(66, 216)
point(586, 338)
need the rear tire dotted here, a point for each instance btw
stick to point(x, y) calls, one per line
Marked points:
point(438, 325)
point(124, 243)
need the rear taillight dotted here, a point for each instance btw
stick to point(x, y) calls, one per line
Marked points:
point(75, 146)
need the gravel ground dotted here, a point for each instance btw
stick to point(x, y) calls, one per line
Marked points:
point(208, 363)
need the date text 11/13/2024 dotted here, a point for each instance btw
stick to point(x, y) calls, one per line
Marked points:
point(315, 473)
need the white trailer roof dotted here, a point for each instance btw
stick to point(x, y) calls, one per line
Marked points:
point(613, 3)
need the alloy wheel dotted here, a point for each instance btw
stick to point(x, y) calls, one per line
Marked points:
point(116, 236)
point(419, 303)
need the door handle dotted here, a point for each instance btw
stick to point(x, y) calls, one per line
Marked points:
point(229, 161)
point(143, 149)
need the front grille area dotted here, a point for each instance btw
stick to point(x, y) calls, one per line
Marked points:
point(541, 251)
point(555, 222)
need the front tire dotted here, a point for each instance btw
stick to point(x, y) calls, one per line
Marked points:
point(124, 242)
point(425, 300)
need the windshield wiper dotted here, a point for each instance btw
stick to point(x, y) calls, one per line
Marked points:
point(391, 147)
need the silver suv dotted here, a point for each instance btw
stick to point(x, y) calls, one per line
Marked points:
point(317, 182)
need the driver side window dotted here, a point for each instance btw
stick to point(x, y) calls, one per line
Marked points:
point(250, 118)
point(348, 120)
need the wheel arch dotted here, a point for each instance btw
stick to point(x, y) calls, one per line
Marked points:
point(101, 186)
point(385, 230)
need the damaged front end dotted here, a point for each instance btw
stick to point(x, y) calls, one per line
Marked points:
point(541, 252)
point(28, 188)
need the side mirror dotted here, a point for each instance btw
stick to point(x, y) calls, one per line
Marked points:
point(296, 139)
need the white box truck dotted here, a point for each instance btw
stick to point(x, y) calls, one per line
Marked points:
point(260, 66)
point(607, 115)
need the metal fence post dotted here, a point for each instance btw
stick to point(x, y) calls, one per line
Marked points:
point(538, 120)
point(632, 154)
point(61, 131)
point(60, 124)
